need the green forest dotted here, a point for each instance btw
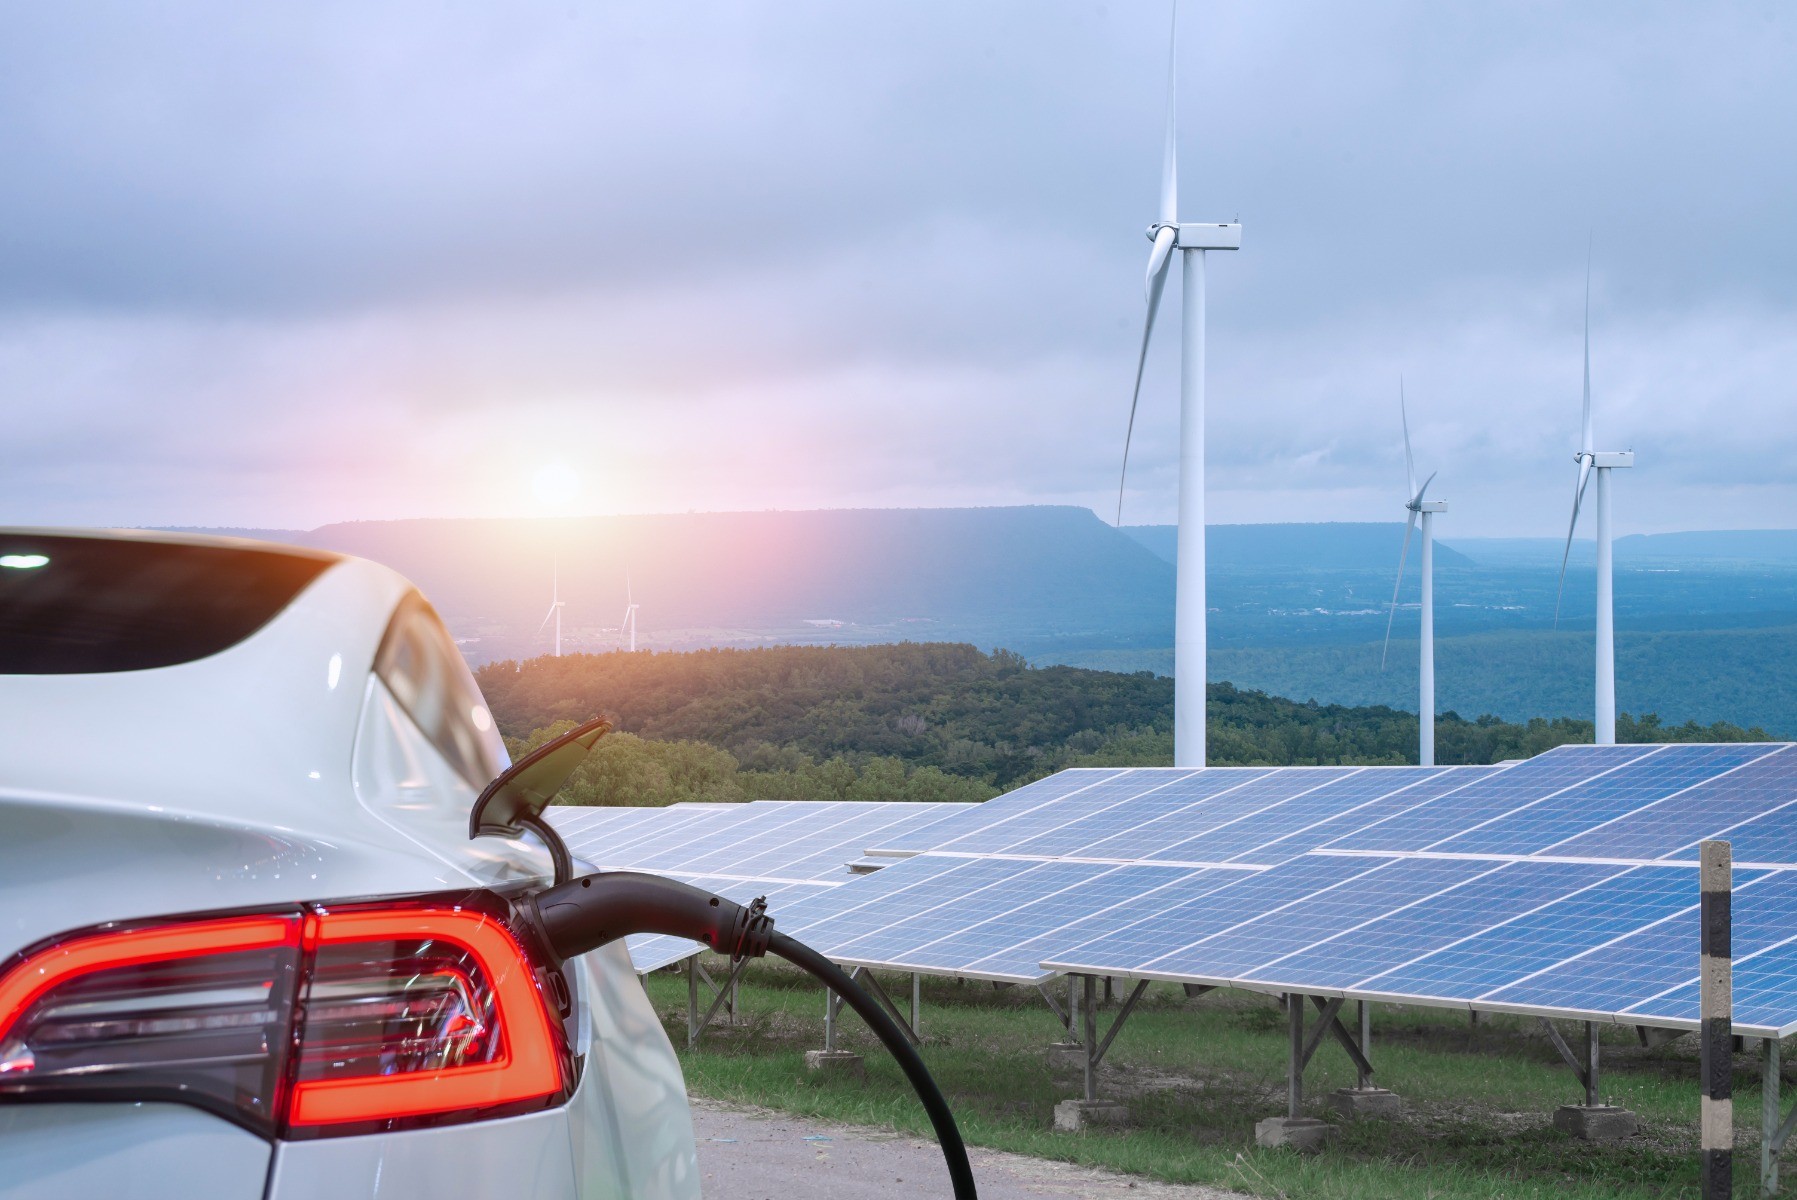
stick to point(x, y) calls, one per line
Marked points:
point(942, 722)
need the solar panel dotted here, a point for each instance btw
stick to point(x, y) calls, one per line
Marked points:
point(1588, 804)
point(1493, 796)
point(1019, 800)
point(1562, 885)
point(1719, 807)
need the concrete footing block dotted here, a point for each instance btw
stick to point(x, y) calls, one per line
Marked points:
point(1595, 1123)
point(1065, 1059)
point(1355, 1103)
point(1073, 1116)
point(1304, 1134)
point(836, 1062)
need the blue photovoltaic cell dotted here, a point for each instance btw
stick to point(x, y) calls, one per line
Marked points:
point(1097, 796)
point(1661, 956)
point(936, 835)
point(1121, 897)
point(1702, 811)
point(1131, 947)
point(1584, 806)
point(1161, 795)
point(1763, 986)
point(1404, 797)
point(1234, 952)
point(1496, 794)
point(1192, 806)
point(1250, 804)
point(1507, 953)
point(896, 895)
point(967, 924)
point(1325, 799)
point(1498, 893)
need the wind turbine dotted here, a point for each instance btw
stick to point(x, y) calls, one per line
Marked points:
point(629, 621)
point(1192, 240)
point(1599, 463)
point(1426, 510)
point(555, 608)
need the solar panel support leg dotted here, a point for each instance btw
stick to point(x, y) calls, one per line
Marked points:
point(1773, 1131)
point(1591, 1064)
point(1572, 1060)
point(1298, 1132)
point(1089, 1015)
point(917, 1004)
point(692, 1002)
point(1364, 1068)
point(1294, 1067)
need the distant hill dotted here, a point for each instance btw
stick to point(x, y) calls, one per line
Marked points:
point(1032, 579)
point(1331, 545)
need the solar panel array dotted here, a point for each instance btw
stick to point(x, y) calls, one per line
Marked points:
point(1565, 885)
point(786, 850)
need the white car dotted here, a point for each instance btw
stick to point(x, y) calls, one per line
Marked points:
point(247, 947)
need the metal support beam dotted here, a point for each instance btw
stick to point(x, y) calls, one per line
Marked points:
point(1294, 1068)
point(692, 1002)
point(1572, 1060)
point(1090, 1015)
point(1129, 1006)
point(721, 995)
point(1364, 1068)
point(917, 1004)
point(872, 984)
point(1331, 1022)
point(1773, 1132)
point(1055, 1007)
point(1320, 1030)
point(831, 1005)
point(1591, 1065)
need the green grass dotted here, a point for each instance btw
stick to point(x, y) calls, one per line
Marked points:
point(1197, 1074)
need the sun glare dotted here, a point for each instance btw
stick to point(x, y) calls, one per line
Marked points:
point(555, 485)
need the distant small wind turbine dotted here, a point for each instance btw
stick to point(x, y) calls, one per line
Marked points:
point(1189, 613)
point(555, 608)
point(1418, 507)
point(630, 606)
point(1600, 462)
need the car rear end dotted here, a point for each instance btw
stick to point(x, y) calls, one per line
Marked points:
point(241, 951)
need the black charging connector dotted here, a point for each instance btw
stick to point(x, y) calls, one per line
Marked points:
point(586, 913)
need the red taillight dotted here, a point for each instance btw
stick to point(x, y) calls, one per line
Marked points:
point(419, 1011)
point(334, 1020)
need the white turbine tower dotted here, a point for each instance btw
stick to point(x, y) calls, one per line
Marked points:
point(1426, 510)
point(555, 608)
point(629, 621)
point(1192, 240)
point(1600, 463)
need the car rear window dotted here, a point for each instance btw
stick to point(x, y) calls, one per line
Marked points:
point(80, 605)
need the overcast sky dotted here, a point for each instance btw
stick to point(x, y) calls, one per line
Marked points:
point(280, 265)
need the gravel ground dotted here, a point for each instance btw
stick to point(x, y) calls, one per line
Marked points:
point(756, 1154)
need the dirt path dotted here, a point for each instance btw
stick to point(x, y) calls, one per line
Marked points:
point(756, 1154)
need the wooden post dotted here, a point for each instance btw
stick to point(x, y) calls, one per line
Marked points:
point(1716, 1057)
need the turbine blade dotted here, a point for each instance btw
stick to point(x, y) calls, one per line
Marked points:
point(1170, 155)
point(547, 615)
point(1409, 528)
point(1578, 497)
point(1156, 284)
point(1418, 498)
point(1409, 462)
